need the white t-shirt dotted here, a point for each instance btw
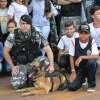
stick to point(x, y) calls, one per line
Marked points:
point(17, 10)
point(94, 50)
point(3, 12)
point(65, 42)
point(95, 33)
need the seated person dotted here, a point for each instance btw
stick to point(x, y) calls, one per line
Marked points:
point(64, 44)
point(22, 47)
point(83, 56)
point(11, 25)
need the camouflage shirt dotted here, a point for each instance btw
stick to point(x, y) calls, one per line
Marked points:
point(10, 41)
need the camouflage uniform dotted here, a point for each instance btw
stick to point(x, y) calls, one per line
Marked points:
point(19, 80)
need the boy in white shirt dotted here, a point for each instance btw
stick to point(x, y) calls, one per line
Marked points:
point(83, 54)
point(64, 44)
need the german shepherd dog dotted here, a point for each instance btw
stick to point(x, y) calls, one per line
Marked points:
point(45, 82)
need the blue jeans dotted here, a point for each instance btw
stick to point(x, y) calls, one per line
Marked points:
point(84, 71)
point(44, 30)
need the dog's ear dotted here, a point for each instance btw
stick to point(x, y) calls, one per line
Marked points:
point(35, 63)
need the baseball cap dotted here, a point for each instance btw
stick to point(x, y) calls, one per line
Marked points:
point(27, 19)
point(84, 27)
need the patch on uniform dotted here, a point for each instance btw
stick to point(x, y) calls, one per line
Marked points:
point(89, 52)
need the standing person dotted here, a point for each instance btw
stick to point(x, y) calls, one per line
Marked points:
point(64, 44)
point(70, 10)
point(3, 16)
point(22, 47)
point(83, 56)
point(16, 10)
point(42, 10)
point(95, 24)
point(97, 2)
point(88, 5)
point(58, 17)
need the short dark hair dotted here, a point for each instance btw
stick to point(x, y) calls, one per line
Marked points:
point(26, 18)
point(12, 21)
point(69, 23)
point(94, 9)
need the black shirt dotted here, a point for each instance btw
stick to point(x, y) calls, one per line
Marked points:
point(73, 9)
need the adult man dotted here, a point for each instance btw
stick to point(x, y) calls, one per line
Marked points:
point(22, 46)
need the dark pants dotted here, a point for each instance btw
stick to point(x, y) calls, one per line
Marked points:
point(89, 71)
point(64, 62)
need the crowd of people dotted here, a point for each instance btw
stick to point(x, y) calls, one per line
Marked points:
point(34, 28)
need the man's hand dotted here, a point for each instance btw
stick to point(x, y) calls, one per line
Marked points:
point(50, 69)
point(77, 62)
point(72, 76)
point(50, 58)
point(15, 70)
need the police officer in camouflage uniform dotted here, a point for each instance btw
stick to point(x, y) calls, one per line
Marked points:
point(22, 47)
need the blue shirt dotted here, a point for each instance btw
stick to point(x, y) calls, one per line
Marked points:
point(38, 7)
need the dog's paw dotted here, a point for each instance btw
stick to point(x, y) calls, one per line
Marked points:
point(26, 94)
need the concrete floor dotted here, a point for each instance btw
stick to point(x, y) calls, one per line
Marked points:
point(6, 93)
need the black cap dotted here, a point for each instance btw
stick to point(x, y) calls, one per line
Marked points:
point(27, 19)
point(84, 27)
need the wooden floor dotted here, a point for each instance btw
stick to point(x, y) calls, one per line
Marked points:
point(7, 93)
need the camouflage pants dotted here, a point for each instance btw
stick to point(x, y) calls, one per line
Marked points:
point(76, 20)
point(20, 79)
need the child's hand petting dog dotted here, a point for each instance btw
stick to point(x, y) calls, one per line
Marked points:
point(72, 76)
point(77, 62)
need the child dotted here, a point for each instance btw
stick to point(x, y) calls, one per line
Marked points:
point(83, 54)
point(3, 16)
point(11, 25)
point(16, 10)
point(64, 44)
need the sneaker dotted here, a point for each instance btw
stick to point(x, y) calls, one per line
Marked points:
point(85, 85)
point(91, 89)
